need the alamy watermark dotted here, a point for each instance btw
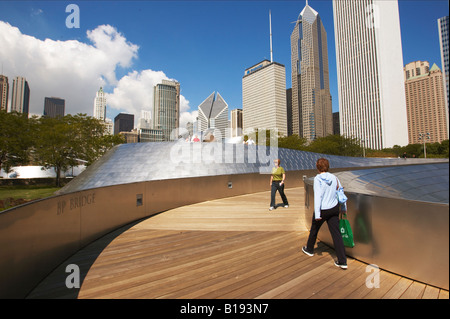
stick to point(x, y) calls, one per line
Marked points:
point(207, 150)
point(373, 279)
point(73, 19)
point(73, 279)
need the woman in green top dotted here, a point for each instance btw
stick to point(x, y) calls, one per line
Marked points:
point(277, 184)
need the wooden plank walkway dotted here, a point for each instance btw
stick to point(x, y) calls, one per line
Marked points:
point(231, 248)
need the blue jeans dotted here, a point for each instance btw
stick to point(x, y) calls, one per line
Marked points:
point(280, 188)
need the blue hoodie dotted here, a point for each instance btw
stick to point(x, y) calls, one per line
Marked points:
point(325, 192)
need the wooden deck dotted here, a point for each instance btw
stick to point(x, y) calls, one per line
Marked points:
point(231, 248)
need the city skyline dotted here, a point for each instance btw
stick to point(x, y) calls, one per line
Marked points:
point(140, 58)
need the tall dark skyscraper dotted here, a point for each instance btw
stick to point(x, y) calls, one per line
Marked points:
point(311, 98)
point(54, 107)
point(123, 123)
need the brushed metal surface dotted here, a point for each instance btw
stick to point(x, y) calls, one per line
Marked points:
point(130, 163)
point(36, 237)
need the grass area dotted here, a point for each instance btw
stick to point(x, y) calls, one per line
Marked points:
point(25, 192)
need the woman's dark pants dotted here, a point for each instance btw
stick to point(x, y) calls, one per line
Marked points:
point(276, 187)
point(331, 216)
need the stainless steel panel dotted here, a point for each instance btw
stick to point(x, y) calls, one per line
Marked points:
point(32, 237)
point(130, 163)
point(426, 183)
point(37, 237)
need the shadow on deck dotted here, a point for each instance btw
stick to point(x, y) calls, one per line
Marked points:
point(231, 248)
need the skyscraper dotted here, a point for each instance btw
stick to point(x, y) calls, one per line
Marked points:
point(166, 109)
point(54, 107)
point(100, 111)
point(369, 62)
point(289, 111)
point(336, 126)
point(425, 102)
point(311, 98)
point(213, 115)
point(236, 122)
point(123, 123)
point(100, 105)
point(264, 97)
point(443, 26)
point(4, 90)
point(145, 121)
point(20, 96)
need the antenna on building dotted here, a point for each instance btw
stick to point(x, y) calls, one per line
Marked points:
point(270, 24)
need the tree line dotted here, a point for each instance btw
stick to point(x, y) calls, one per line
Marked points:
point(345, 146)
point(64, 142)
point(60, 143)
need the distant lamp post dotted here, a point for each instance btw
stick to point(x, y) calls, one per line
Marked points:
point(424, 137)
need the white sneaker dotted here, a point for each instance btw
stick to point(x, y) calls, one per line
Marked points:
point(286, 206)
point(307, 252)
point(271, 208)
point(342, 266)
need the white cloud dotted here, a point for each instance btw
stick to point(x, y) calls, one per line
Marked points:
point(74, 70)
point(112, 49)
point(186, 117)
point(71, 70)
point(184, 104)
point(134, 92)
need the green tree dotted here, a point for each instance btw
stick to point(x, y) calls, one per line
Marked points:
point(63, 142)
point(437, 149)
point(16, 139)
point(413, 150)
point(54, 145)
point(336, 145)
point(89, 137)
point(444, 149)
point(292, 142)
point(417, 150)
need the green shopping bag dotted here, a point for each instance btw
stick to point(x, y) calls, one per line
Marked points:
point(346, 231)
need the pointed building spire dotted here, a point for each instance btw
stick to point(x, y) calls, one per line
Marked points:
point(270, 25)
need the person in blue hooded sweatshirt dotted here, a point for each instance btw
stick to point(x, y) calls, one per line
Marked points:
point(326, 208)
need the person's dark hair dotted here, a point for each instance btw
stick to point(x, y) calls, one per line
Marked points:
point(322, 165)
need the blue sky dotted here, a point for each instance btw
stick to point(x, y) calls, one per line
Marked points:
point(205, 45)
